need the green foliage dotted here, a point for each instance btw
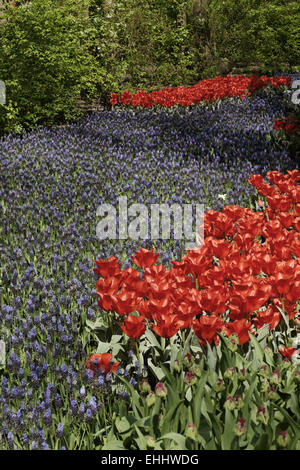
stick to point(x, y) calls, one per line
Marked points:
point(45, 62)
point(144, 45)
point(216, 399)
point(224, 397)
point(263, 32)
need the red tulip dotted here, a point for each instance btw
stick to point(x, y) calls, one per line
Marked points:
point(167, 325)
point(206, 328)
point(145, 258)
point(134, 327)
point(287, 352)
point(102, 362)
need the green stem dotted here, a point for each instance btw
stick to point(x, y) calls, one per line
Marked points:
point(138, 354)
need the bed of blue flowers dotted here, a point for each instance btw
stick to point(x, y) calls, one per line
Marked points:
point(51, 182)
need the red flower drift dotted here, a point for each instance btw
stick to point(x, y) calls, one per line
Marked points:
point(256, 273)
point(210, 89)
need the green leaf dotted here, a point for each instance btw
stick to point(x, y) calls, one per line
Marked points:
point(156, 370)
point(285, 318)
point(2, 354)
point(289, 419)
point(103, 347)
point(247, 397)
point(135, 397)
point(211, 357)
point(73, 441)
point(178, 438)
point(228, 434)
point(94, 325)
point(169, 416)
point(141, 440)
point(198, 398)
point(123, 425)
point(211, 445)
point(262, 443)
point(152, 339)
point(257, 348)
point(113, 444)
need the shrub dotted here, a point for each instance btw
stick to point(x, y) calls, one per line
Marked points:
point(45, 62)
point(145, 45)
point(264, 32)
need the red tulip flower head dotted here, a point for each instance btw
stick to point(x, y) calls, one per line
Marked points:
point(102, 362)
point(145, 258)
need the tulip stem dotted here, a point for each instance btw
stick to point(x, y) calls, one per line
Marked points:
point(138, 354)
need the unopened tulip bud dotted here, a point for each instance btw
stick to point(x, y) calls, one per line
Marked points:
point(283, 439)
point(233, 342)
point(272, 393)
point(265, 385)
point(238, 402)
point(229, 373)
point(160, 390)
point(188, 360)
point(240, 427)
point(145, 386)
point(191, 431)
point(150, 399)
point(262, 415)
point(190, 378)
point(219, 386)
point(198, 369)
point(263, 370)
point(150, 442)
point(176, 365)
point(275, 377)
point(229, 403)
point(242, 374)
point(286, 363)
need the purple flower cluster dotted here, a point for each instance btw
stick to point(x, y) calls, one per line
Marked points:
point(51, 182)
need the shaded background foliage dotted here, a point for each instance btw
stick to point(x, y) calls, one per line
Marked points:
point(56, 51)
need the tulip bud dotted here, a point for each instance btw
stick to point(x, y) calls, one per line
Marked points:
point(240, 427)
point(150, 399)
point(188, 360)
point(242, 374)
point(283, 439)
point(262, 415)
point(263, 370)
point(145, 386)
point(285, 363)
point(230, 403)
point(219, 386)
point(233, 342)
point(268, 350)
point(198, 369)
point(264, 385)
point(275, 377)
point(190, 378)
point(191, 431)
point(272, 394)
point(176, 365)
point(160, 390)
point(238, 402)
point(229, 373)
point(150, 442)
